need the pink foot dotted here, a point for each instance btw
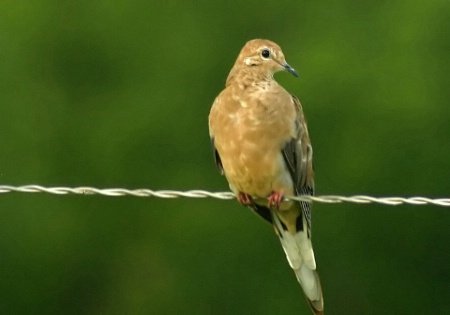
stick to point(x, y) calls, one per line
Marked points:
point(275, 200)
point(244, 199)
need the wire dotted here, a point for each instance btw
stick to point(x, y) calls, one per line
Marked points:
point(168, 194)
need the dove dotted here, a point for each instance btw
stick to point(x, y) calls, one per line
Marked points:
point(261, 144)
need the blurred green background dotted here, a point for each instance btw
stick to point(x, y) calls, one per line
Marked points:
point(117, 94)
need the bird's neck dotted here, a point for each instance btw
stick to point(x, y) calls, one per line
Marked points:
point(248, 77)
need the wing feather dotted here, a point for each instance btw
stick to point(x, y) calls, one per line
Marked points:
point(298, 156)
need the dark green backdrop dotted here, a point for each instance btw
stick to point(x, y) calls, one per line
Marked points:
point(117, 94)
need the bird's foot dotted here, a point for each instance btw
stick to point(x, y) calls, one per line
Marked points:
point(244, 199)
point(275, 200)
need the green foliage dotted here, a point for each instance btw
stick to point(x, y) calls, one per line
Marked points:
point(117, 94)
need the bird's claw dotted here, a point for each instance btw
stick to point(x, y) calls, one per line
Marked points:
point(244, 199)
point(275, 200)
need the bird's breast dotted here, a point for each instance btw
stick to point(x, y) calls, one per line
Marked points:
point(250, 142)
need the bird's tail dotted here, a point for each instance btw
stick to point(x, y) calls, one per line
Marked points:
point(310, 282)
point(300, 255)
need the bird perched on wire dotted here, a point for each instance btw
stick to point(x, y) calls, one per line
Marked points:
point(262, 146)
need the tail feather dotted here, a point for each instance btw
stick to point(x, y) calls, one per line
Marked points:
point(300, 255)
point(310, 282)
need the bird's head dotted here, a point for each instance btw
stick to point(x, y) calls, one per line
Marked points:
point(263, 56)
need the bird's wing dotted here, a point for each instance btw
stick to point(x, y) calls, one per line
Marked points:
point(297, 154)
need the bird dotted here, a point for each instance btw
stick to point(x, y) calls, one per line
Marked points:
point(261, 144)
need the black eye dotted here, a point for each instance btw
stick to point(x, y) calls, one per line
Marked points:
point(265, 53)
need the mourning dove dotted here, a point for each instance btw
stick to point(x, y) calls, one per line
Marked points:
point(261, 144)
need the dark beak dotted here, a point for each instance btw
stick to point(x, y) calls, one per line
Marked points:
point(290, 69)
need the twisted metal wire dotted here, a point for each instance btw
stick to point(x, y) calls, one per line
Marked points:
point(168, 194)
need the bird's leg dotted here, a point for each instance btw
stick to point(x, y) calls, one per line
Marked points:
point(275, 200)
point(244, 199)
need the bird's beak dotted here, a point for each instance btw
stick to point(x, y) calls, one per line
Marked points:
point(289, 69)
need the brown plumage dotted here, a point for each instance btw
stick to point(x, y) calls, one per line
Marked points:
point(262, 146)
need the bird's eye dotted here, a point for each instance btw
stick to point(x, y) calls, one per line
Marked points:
point(265, 53)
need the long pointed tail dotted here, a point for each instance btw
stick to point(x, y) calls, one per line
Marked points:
point(300, 255)
point(310, 282)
